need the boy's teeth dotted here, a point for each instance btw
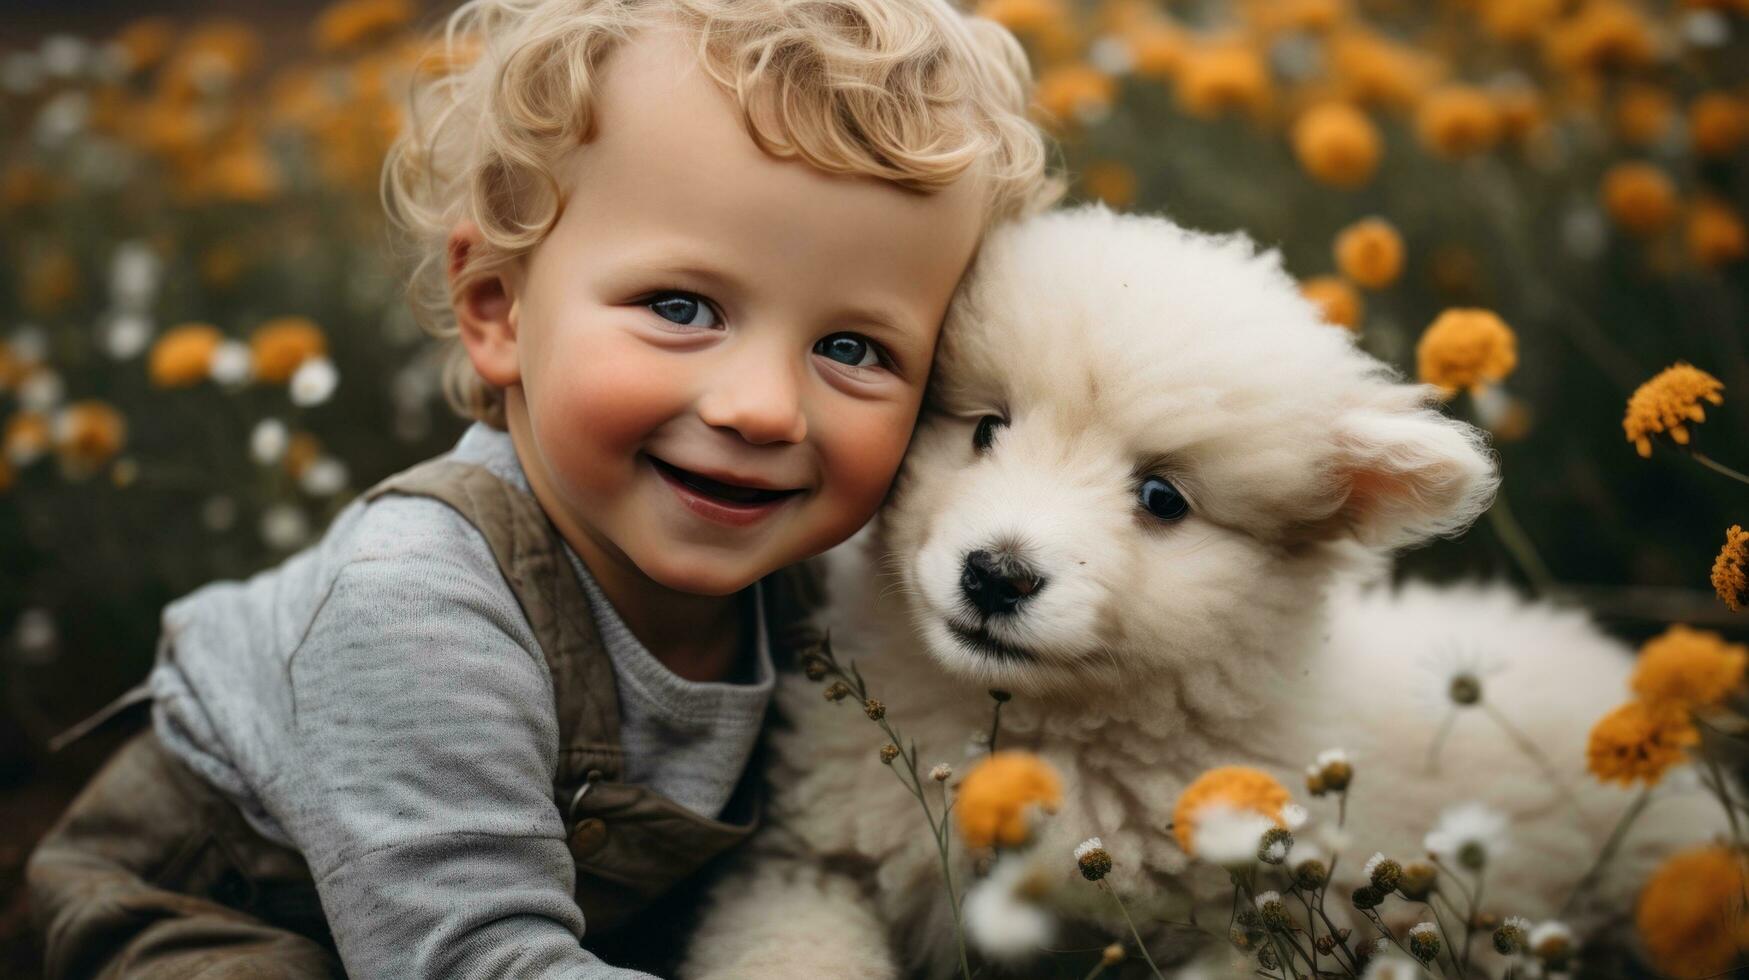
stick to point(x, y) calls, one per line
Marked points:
point(727, 491)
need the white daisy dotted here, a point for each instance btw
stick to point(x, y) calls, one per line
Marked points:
point(1000, 921)
point(313, 382)
point(324, 477)
point(941, 773)
point(1392, 968)
point(1229, 837)
point(1088, 846)
point(268, 441)
point(284, 527)
point(1372, 863)
point(1469, 834)
point(231, 364)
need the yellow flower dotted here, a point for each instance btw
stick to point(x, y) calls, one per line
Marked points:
point(1603, 35)
point(1075, 92)
point(183, 355)
point(1715, 234)
point(1520, 109)
point(995, 798)
point(1276, 16)
point(280, 345)
point(1643, 114)
point(1112, 181)
point(1466, 348)
point(1667, 403)
point(1157, 49)
point(243, 172)
point(354, 23)
point(144, 43)
point(1717, 124)
point(217, 54)
point(1234, 787)
point(88, 434)
point(1047, 24)
point(1731, 569)
point(1222, 76)
point(1337, 144)
point(1691, 913)
point(1689, 668)
point(1637, 742)
point(1458, 121)
point(1370, 252)
point(1639, 196)
point(1338, 301)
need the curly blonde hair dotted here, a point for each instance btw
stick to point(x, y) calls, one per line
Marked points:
point(908, 91)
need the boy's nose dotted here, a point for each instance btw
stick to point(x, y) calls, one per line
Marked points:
point(761, 402)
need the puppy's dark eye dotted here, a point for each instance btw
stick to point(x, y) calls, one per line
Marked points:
point(1162, 499)
point(985, 433)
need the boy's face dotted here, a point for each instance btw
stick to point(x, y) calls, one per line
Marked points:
point(703, 311)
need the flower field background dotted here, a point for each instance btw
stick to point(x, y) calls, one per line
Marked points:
point(205, 351)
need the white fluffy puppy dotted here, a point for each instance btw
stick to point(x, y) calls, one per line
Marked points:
point(1143, 497)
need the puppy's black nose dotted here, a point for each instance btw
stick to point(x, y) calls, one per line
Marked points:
point(997, 585)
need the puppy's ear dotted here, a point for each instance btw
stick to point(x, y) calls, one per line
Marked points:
point(1406, 472)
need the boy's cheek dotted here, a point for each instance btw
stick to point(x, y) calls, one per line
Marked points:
point(862, 461)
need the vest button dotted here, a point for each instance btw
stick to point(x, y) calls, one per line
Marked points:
point(588, 838)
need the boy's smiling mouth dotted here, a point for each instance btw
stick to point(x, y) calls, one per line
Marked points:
point(736, 494)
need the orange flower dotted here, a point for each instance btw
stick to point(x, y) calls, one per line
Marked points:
point(243, 172)
point(1637, 742)
point(88, 434)
point(216, 54)
point(1715, 234)
point(1047, 24)
point(27, 437)
point(355, 23)
point(302, 450)
point(1076, 92)
point(50, 281)
point(1337, 144)
point(1458, 121)
point(1691, 913)
point(1731, 569)
point(1370, 252)
point(1519, 20)
point(1643, 114)
point(1689, 668)
point(1222, 76)
point(1667, 402)
point(1640, 197)
point(1717, 124)
point(1337, 301)
point(1603, 35)
point(183, 355)
point(1466, 348)
point(1157, 49)
point(144, 43)
point(995, 799)
point(1373, 70)
point(1111, 181)
point(1233, 787)
point(8, 475)
point(1277, 16)
point(1520, 109)
point(280, 345)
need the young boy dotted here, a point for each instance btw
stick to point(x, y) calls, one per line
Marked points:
point(696, 253)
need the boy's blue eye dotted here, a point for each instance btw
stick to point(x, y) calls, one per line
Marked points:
point(848, 348)
point(681, 308)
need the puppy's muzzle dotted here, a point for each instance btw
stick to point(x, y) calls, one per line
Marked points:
point(997, 584)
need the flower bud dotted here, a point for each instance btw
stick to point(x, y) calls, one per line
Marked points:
point(837, 691)
point(889, 752)
point(874, 709)
point(1424, 942)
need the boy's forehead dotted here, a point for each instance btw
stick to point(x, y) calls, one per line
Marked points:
point(671, 160)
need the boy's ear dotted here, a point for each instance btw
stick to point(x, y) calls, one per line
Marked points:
point(1410, 473)
point(485, 310)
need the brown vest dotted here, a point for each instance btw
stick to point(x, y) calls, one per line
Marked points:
point(630, 844)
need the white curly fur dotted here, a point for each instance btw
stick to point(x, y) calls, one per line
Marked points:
point(1255, 630)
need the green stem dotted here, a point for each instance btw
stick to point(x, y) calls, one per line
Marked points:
point(1438, 742)
point(1450, 947)
point(1716, 466)
point(1519, 545)
point(1137, 936)
point(1610, 846)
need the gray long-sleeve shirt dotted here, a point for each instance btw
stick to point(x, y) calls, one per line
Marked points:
point(379, 702)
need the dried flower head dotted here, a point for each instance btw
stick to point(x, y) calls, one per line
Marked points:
point(1112, 955)
point(941, 773)
point(1274, 845)
point(1424, 941)
point(1466, 349)
point(1469, 834)
point(1311, 872)
point(997, 796)
point(837, 691)
point(1691, 913)
point(889, 752)
point(1418, 880)
point(1337, 144)
point(1688, 667)
point(1338, 302)
point(815, 667)
point(1731, 569)
point(1240, 788)
point(1093, 859)
point(1640, 197)
point(1637, 742)
point(874, 709)
point(1330, 772)
point(1553, 943)
point(1367, 897)
point(1272, 911)
point(1370, 252)
point(1667, 403)
point(1510, 938)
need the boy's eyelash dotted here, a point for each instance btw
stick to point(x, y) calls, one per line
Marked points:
point(885, 356)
